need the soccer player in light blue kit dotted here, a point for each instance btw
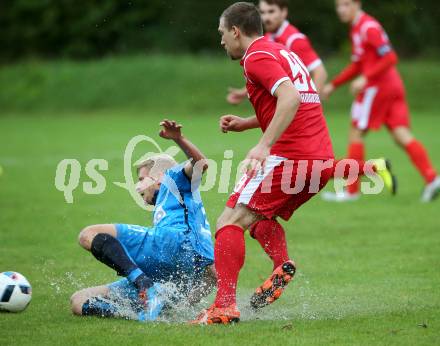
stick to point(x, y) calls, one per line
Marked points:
point(177, 249)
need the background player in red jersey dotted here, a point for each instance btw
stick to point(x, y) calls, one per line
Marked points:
point(380, 96)
point(295, 138)
point(274, 16)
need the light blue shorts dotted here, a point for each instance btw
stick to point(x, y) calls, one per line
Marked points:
point(162, 254)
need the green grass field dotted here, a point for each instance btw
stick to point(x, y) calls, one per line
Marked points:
point(368, 271)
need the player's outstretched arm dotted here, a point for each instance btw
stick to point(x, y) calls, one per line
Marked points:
point(347, 74)
point(172, 130)
point(234, 123)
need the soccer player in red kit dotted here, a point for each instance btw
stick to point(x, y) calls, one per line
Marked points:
point(295, 138)
point(274, 16)
point(380, 96)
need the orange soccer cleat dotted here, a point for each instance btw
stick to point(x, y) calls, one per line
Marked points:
point(215, 315)
point(274, 286)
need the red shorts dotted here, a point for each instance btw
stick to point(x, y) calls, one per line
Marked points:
point(282, 188)
point(376, 106)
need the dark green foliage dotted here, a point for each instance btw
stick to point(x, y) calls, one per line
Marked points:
point(52, 28)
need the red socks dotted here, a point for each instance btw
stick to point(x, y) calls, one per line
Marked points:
point(356, 151)
point(270, 234)
point(415, 150)
point(420, 159)
point(229, 253)
point(346, 173)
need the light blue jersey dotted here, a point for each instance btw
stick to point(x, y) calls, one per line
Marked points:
point(179, 206)
point(178, 247)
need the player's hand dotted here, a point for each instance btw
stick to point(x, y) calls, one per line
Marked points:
point(171, 130)
point(256, 159)
point(232, 123)
point(358, 85)
point(326, 91)
point(236, 96)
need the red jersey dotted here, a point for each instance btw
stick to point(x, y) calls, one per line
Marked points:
point(266, 65)
point(295, 41)
point(369, 44)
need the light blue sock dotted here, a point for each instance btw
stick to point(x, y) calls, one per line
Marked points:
point(134, 275)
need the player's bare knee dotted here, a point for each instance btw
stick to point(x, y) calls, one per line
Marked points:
point(86, 236)
point(356, 135)
point(221, 222)
point(402, 136)
point(227, 219)
point(77, 301)
point(240, 216)
point(398, 142)
point(355, 139)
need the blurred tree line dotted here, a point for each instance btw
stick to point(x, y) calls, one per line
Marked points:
point(86, 29)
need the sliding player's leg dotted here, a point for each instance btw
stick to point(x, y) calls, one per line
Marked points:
point(106, 242)
point(118, 299)
point(420, 159)
point(93, 301)
point(125, 293)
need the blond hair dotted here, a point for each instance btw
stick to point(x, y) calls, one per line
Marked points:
point(157, 164)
